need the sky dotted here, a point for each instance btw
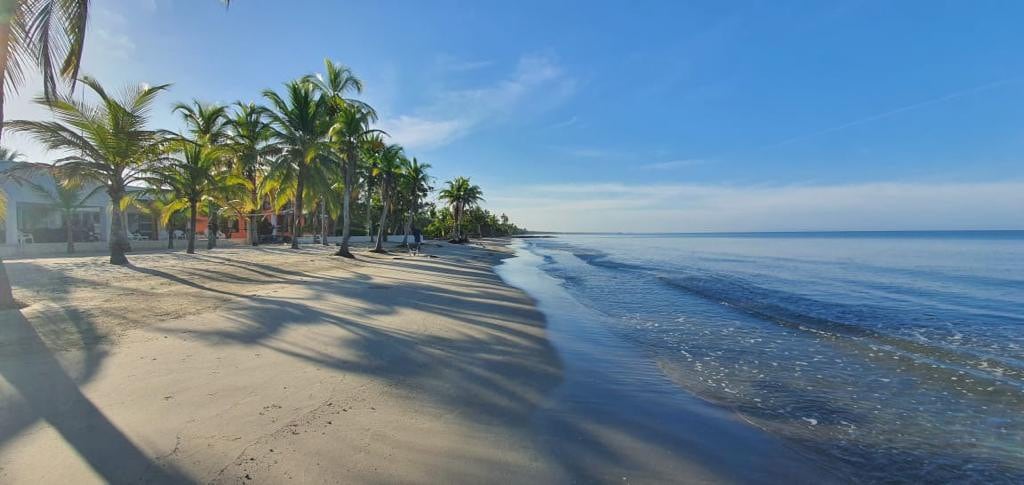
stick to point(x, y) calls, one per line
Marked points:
point(634, 116)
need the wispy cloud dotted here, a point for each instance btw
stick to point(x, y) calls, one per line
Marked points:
point(108, 37)
point(696, 207)
point(566, 123)
point(674, 164)
point(893, 112)
point(453, 114)
point(421, 133)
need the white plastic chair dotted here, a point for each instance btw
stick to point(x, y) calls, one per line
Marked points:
point(24, 237)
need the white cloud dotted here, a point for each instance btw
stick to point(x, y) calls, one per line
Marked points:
point(421, 133)
point(695, 207)
point(537, 84)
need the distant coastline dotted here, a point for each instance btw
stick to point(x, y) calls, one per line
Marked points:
point(969, 233)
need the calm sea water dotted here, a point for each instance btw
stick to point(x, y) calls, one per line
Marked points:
point(889, 356)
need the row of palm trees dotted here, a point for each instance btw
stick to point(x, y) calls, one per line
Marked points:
point(310, 145)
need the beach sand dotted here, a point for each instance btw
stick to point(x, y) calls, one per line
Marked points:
point(267, 365)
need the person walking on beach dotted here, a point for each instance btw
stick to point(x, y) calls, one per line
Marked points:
point(417, 238)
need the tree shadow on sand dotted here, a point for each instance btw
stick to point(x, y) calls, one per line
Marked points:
point(44, 390)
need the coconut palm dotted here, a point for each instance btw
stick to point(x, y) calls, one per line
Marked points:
point(387, 168)
point(338, 81)
point(49, 34)
point(300, 126)
point(460, 194)
point(415, 185)
point(192, 174)
point(251, 144)
point(165, 207)
point(349, 135)
point(108, 143)
point(208, 125)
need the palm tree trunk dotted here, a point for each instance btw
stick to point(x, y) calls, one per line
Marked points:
point(346, 207)
point(6, 295)
point(254, 236)
point(379, 247)
point(170, 236)
point(323, 221)
point(296, 225)
point(408, 222)
point(118, 232)
point(369, 212)
point(70, 234)
point(192, 209)
point(211, 226)
point(5, 38)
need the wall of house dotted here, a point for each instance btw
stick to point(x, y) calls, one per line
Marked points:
point(33, 202)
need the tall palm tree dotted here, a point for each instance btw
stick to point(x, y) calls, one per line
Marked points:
point(108, 143)
point(415, 186)
point(208, 125)
point(299, 123)
point(349, 135)
point(387, 168)
point(460, 194)
point(192, 176)
point(251, 143)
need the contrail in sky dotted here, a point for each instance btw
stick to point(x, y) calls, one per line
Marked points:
point(894, 112)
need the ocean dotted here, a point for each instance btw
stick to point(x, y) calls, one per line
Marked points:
point(880, 356)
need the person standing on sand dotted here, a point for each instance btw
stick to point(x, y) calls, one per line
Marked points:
point(417, 237)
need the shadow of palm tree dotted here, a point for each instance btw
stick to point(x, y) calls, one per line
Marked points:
point(47, 392)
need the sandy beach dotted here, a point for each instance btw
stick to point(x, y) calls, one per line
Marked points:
point(269, 364)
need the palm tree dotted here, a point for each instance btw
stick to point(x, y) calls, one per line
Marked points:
point(349, 135)
point(250, 137)
point(387, 168)
point(192, 177)
point(208, 124)
point(68, 196)
point(416, 185)
point(351, 119)
point(165, 206)
point(108, 143)
point(300, 126)
point(460, 195)
point(338, 82)
point(47, 33)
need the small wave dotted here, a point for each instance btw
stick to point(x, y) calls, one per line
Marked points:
point(762, 303)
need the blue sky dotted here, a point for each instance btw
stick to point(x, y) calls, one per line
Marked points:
point(639, 116)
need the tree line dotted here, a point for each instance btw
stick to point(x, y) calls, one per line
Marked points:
point(310, 150)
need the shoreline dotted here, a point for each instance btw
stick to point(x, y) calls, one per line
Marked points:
point(617, 415)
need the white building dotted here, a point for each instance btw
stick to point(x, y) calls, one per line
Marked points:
point(33, 219)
